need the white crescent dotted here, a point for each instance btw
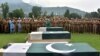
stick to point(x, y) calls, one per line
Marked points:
point(50, 48)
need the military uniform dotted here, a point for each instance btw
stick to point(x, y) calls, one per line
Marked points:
point(98, 27)
point(0, 26)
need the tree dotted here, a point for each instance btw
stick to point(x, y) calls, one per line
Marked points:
point(5, 9)
point(98, 12)
point(67, 13)
point(45, 13)
point(74, 15)
point(52, 14)
point(18, 13)
point(10, 14)
point(36, 11)
point(88, 15)
point(94, 15)
point(30, 15)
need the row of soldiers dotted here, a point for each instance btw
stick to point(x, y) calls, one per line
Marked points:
point(29, 25)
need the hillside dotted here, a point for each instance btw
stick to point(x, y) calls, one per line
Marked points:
point(14, 4)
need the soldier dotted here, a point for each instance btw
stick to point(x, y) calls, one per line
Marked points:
point(48, 23)
point(78, 26)
point(32, 25)
point(63, 22)
point(5, 25)
point(35, 24)
point(0, 25)
point(59, 23)
point(94, 26)
point(16, 24)
point(28, 25)
point(54, 22)
point(72, 25)
point(85, 26)
point(41, 22)
point(81, 27)
point(67, 25)
point(91, 26)
point(19, 25)
point(23, 25)
point(12, 26)
point(98, 27)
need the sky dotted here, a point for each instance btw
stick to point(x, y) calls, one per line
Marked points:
point(85, 5)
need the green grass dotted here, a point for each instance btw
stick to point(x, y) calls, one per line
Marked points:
point(92, 39)
point(12, 38)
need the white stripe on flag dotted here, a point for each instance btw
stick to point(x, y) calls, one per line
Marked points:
point(17, 49)
point(43, 29)
point(36, 35)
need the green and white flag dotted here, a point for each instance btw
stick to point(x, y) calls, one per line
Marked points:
point(50, 49)
point(50, 35)
point(17, 49)
point(43, 29)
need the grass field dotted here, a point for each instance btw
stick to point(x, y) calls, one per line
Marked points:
point(92, 39)
point(12, 38)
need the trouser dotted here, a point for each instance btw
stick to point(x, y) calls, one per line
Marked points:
point(0, 28)
point(12, 30)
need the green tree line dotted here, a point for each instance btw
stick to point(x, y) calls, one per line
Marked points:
point(95, 14)
point(36, 12)
point(71, 15)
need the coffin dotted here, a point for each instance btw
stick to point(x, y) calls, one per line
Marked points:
point(49, 35)
point(50, 29)
point(51, 49)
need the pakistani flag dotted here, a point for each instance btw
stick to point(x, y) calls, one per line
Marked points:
point(51, 29)
point(50, 49)
point(49, 35)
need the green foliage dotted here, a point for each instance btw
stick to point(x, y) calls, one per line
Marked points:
point(94, 14)
point(88, 15)
point(45, 13)
point(98, 10)
point(5, 9)
point(67, 13)
point(71, 15)
point(10, 14)
point(76, 37)
point(16, 13)
point(0, 16)
point(91, 39)
point(12, 38)
point(52, 14)
point(36, 11)
point(30, 15)
point(74, 15)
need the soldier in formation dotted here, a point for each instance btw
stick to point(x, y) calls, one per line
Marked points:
point(31, 24)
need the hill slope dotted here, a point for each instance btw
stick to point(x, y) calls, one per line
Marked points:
point(14, 4)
